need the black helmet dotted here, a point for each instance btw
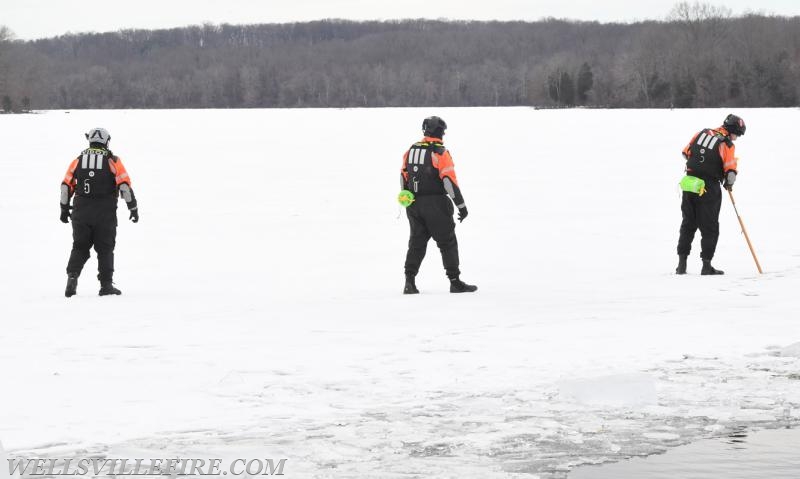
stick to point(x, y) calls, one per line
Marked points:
point(433, 126)
point(734, 125)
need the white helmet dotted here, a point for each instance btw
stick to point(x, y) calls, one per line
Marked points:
point(98, 135)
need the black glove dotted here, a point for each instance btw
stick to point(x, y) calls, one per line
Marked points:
point(65, 214)
point(462, 214)
point(134, 215)
point(730, 179)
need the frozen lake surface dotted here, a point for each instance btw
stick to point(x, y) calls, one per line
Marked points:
point(261, 313)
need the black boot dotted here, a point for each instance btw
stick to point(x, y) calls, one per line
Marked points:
point(72, 285)
point(411, 287)
point(107, 288)
point(458, 286)
point(681, 269)
point(708, 269)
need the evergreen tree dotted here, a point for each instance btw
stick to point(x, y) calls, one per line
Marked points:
point(584, 83)
point(684, 92)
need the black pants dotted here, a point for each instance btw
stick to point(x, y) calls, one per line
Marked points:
point(94, 223)
point(432, 217)
point(701, 212)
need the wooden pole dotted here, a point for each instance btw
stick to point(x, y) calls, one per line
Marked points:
point(744, 230)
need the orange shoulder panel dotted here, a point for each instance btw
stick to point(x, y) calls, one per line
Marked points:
point(69, 177)
point(116, 166)
point(729, 160)
point(446, 166)
point(405, 164)
point(687, 150)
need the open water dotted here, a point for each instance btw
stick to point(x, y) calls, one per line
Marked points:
point(773, 454)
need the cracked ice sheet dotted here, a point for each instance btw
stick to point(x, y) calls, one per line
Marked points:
point(267, 321)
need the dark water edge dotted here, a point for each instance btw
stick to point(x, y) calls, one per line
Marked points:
point(771, 453)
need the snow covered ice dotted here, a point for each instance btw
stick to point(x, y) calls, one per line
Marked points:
point(262, 313)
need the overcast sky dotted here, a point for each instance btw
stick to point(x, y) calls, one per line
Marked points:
point(30, 19)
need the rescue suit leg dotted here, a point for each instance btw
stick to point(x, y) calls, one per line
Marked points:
point(105, 236)
point(81, 244)
point(443, 230)
point(448, 246)
point(417, 242)
point(688, 224)
point(708, 207)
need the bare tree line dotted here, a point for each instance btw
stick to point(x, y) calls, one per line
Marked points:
point(701, 56)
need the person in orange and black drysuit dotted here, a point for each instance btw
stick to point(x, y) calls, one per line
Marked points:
point(428, 172)
point(710, 157)
point(96, 178)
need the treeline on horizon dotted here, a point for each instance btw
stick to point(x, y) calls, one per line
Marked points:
point(701, 56)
